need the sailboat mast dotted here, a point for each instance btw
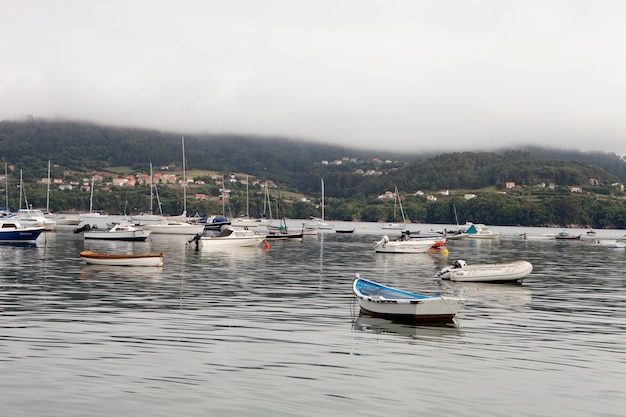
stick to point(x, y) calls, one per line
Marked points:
point(322, 199)
point(48, 191)
point(184, 180)
point(91, 197)
point(20, 205)
point(247, 198)
point(151, 187)
point(6, 187)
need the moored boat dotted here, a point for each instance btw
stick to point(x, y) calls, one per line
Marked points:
point(228, 237)
point(122, 259)
point(12, 230)
point(119, 231)
point(379, 300)
point(499, 272)
point(385, 245)
point(567, 236)
point(480, 231)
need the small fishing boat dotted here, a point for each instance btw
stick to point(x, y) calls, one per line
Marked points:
point(480, 231)
point(345, 231)
point(119, 231)
point(567, 236)
point(284, 235)
point(502, 272)
point(228, 237)
point(385, 245)
point(379, 300)
point(538, 236)
point(122, 259)
point(12, 230)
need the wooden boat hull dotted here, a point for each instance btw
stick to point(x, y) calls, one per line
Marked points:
point(378, 300)
point(121, 259)
point(504, 272)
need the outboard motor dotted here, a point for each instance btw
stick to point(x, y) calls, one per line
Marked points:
point(84, 228)
point(460, 263)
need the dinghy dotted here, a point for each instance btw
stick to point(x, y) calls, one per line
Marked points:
point(122, 259)
point(503, 272)
point(379, 300)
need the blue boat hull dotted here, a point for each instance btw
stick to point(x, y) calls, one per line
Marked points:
point(19, 235)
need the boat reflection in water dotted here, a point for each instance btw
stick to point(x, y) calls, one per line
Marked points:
point(376, 325)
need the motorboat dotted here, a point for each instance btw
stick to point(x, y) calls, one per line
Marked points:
point(379, 300)
point(499, 272)
point(175, 227)
point(119, 231)
point(214, 222)
point(480, 231)
point(36, 217)
point(567, 236)
point(538, 236)
point(12, 230)
point(385, 245)
point(122, 259)
point(228, 237)
point(284, 234)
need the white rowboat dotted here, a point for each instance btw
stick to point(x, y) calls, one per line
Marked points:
point(122, 259)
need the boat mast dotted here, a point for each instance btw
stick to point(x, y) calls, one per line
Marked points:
point(6, 188)
point(91, 197)
point(247, 198)
point(184, 181)
point(322, 199)
point(48, 191)
point(151, 187)
point(223, 202)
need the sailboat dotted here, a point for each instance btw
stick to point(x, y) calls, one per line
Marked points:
point(320, 223)
point(150, 217)
point(247, 221)
point(92, 214)
point(396, 226)
point(283, 232)
point(175, 226)
point(32, 217)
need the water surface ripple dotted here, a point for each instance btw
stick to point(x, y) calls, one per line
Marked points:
point(254, 332)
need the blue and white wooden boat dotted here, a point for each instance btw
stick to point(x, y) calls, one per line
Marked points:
point(11, 230)
point(379, 300)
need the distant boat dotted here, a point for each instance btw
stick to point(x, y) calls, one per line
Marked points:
point(121, 231)
point(385, 245)
point(346, 231)
point(480, 231)
point(122, 259)
point(228, 237)
point(393, 225)
point(92, 214)
point(567, 236)
point(379, 300)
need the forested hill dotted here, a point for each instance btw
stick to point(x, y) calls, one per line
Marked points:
point(86, 147)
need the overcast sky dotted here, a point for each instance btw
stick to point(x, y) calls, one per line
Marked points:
point(449, 75)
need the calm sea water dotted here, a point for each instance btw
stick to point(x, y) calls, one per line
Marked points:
point(254, 332)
